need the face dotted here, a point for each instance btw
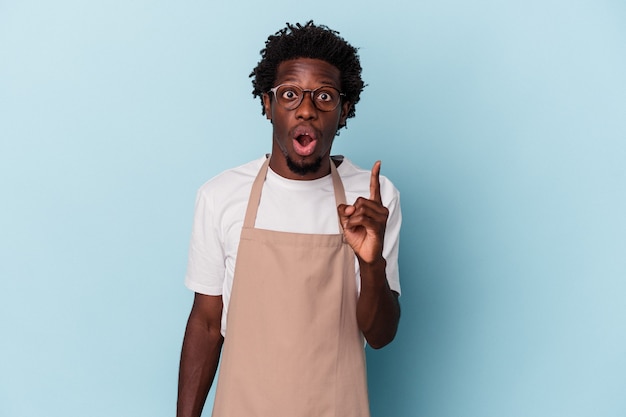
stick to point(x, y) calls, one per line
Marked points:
point(303, 137)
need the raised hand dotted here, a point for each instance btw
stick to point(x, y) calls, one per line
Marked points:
point(365, 221)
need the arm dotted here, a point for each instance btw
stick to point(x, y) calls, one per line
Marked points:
point(200, 355)
point(378, 309)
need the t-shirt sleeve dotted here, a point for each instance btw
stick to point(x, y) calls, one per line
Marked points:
point(205, 265)
point(392, 239)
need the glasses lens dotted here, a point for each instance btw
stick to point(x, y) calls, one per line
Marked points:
point(289, 96)
point(324, 98)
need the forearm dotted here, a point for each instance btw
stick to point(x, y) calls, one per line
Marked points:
point(378, 310)
point(198, 363)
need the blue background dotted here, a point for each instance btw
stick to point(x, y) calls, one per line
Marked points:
point(501, 122)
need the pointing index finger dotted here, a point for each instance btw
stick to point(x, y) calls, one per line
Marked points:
point(375, 183)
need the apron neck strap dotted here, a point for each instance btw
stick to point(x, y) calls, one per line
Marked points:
point(257, 187)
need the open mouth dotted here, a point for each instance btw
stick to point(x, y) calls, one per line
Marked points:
point(304, 145)
point(304, 140)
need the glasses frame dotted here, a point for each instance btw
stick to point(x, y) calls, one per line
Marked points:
point(311, 93)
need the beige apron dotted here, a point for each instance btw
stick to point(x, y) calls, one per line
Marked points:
point(293, 347)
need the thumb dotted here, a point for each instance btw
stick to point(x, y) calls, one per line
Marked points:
point(344, 211)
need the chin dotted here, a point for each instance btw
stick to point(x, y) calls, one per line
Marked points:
point(303, 168)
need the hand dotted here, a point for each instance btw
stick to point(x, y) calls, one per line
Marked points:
point(365, 221)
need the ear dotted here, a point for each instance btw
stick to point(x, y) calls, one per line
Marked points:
point(267, 106)
point(345, 109)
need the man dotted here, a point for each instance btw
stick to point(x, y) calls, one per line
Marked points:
point(287, 276)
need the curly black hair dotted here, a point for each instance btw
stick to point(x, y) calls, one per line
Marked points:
point(309, 41)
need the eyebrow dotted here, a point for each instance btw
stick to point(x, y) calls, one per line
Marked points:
point(324, 82)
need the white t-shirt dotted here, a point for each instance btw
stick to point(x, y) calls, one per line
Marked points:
point(287, 206)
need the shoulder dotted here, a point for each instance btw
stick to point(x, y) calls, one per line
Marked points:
point(357, 180)
point(232, 180)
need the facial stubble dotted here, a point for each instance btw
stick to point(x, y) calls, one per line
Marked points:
point(303, 168)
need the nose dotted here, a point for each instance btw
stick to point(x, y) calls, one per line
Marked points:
point(306, 110)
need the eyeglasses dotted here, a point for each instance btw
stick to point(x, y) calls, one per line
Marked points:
point(324, 98)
